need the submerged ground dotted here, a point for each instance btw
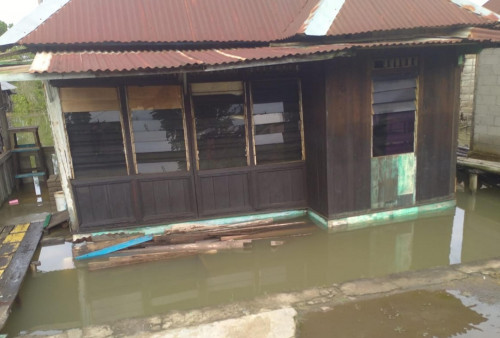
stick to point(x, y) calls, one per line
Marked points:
point(304, 270)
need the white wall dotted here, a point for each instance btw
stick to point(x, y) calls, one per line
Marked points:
point(486, 128)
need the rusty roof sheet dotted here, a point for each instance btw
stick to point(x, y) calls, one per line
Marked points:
point(125, 21)
point(493, 5)
point(177, 21)
point(98, 61)
point(362, 16)
point(483, 35)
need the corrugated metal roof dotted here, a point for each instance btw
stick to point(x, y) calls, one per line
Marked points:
point(361, 16)
point(123, 21)
point(175, 21)
point(97, 61)
point(493, 5)
point(31, 21)
point(7, 86)
point(476, 8)
point(482, 34)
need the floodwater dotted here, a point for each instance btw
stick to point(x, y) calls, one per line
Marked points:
point(32, 205)
point(409, 314)
point(62, 297)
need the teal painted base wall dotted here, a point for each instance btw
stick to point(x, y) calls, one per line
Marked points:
point(341, 224)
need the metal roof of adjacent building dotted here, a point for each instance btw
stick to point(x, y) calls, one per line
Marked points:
point(362, 16)
point(100, 22)
point(493, 5)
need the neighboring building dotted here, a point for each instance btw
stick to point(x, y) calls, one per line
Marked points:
point(6, 173)
point(6, 89)
point(166, 111)
point(485, 138)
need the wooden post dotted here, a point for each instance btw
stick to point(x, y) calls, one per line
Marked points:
point(473, 182)
point(61, 146)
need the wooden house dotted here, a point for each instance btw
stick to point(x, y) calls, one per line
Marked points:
point(170, 111)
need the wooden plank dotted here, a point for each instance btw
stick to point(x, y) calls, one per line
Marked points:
point(201, 246)
point(348, 93)
point(213, 88)
point(13, 276)
point(58, 218)
point(488, 166)
point(115, 247)
point(154, 97)
point(273, 234)
point(314, 101)
point(435, 132)
point(205, 233)
point(86, 99)
point(124, 261)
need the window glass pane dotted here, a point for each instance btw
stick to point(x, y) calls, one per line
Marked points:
point(393, 133)
point(394, 108)
point(96, 143)
point(220, 130)
point(276, 120)
point(159, 140)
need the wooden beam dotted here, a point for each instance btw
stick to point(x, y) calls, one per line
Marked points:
point(62, 150)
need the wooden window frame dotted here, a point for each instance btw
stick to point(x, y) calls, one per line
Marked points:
point(301, 117)
point(119, 109)
point(131, 129)
point(413, 68)
point(245, 118)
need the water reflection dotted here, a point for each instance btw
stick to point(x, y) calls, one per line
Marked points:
point(56, 257)
point(79, 297)
point(410, 314)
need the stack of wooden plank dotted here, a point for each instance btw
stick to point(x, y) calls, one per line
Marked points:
point(183, 241)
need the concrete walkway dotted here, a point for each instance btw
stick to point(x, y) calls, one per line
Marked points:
point(277, 315)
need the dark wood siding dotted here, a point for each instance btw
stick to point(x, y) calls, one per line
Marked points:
point(280, 186)
point(166, 198)
point(101, 203)
point(223, 193)
point(314, 111)
point(155, 198)
point(436, 135)
point(349, 135)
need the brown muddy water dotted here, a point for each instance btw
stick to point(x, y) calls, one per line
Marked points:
point(61, 296)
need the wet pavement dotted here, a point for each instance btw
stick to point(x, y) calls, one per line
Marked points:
point(310, 274)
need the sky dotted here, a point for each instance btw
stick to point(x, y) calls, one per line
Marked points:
point(11, 11)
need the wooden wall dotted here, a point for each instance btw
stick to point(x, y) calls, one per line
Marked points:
point(6, 176)
point(159, 198)
point(314, 107)
point(437, 125)
point(336, 178)
point(348, 109)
